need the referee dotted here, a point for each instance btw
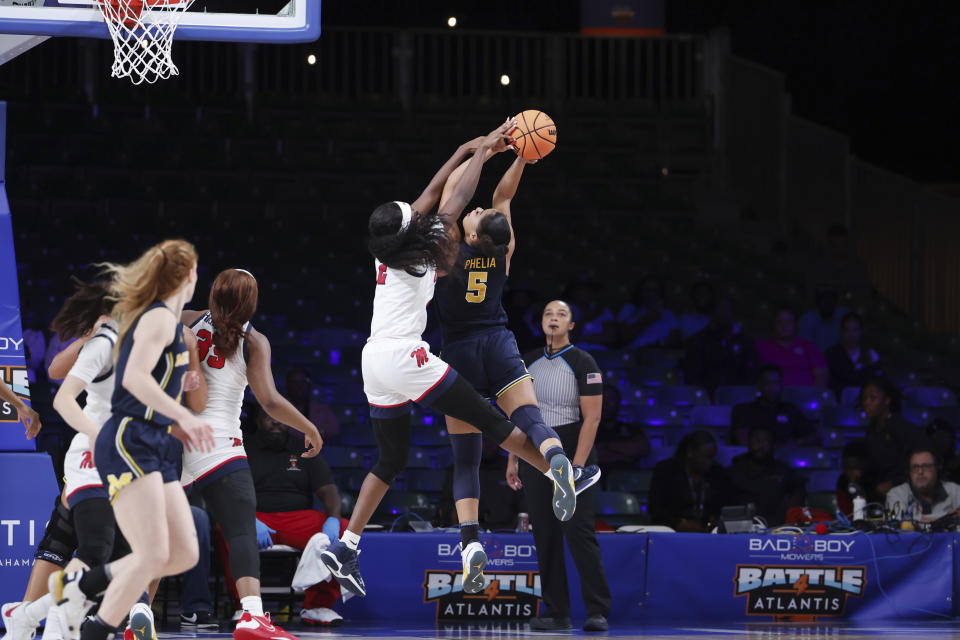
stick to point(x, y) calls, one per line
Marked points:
point(569, 388)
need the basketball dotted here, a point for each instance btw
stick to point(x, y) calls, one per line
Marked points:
point(536, 134)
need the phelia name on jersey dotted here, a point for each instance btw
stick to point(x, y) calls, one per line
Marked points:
point(479, 263)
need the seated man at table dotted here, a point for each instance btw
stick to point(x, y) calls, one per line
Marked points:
point(757, 477)
point(286, 485)
point(785, 420)
point(924, 497)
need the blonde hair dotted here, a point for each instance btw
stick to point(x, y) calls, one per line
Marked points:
point(157, 274)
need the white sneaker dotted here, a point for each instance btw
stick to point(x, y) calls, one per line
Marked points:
point(6, 610)
point(51, 629)
point(72, 603)
point(141, 622)
point(18, 624)
point(474, 560)
point(321, 615)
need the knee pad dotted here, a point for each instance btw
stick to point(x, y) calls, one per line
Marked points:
point(467, 450)
point(59, 540)
point(393, 441)
point(529, 420)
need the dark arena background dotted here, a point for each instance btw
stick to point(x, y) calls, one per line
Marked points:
point(752, 210)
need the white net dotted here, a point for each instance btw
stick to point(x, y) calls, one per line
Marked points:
point(142, 32)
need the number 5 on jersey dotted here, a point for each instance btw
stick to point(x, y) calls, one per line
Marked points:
point(476, 286)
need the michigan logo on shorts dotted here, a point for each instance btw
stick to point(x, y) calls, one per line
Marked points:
point(116, 484)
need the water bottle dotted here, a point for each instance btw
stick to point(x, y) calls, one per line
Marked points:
point(523, 523)
point(859, 507)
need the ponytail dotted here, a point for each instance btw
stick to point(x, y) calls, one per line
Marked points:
point(233, 301)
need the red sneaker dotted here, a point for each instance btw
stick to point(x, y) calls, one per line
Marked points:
point(251, 627)
point(128, 634)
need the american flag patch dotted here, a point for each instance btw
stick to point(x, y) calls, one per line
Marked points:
point(594, 378)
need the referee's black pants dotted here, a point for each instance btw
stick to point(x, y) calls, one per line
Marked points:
point(549, 534)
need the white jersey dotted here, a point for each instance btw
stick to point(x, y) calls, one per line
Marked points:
point(94, 366)
point(400, 303)
point(226, 380)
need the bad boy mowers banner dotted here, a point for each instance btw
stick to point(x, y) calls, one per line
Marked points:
point(799, 578)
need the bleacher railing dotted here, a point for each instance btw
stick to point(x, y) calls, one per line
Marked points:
point(414, 67)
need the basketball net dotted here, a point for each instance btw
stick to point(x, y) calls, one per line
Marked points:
point(142, 32)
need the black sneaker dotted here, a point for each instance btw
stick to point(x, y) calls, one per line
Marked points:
point(198, 620)
point(596, 623)
point(564, 493)
point(585, 477)
point(550, 624)
point(343, 564)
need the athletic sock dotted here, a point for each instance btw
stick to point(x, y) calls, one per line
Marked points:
point(253, 605)
point(94, 581)
point(94, 628)
point(469, 532)
point(37, 610)
point(351, 539)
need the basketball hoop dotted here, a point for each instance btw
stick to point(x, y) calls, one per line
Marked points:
point(142, 32)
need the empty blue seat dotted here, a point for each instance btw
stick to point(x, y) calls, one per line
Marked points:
point(822, 480)
point(681, 396)
point(426, 480)
point(653, 416)
point(919, 416)
point(844, 417)
point(342, 457)
point(806, 457)
point(733, 395)
point(710, 416)
point(810, 399)
point(420, 459)
point(429, 436)
point(726, 453)
point(358, 436)
point(656, 455)
point(930, 396)
point(349, 479)
point(850, 396)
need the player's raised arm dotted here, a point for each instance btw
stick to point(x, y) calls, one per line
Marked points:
point(428, 199)
point(454, 178)
point(496, 141)
point(503, 195)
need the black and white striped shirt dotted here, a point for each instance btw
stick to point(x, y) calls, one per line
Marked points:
point(560, 379)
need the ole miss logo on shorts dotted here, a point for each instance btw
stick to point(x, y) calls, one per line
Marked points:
point(421, 356)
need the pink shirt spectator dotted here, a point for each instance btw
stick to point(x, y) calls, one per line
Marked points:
point(797, 361)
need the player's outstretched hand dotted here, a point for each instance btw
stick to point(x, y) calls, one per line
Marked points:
point(513, 473)
point(500, 139)
point(191, 381)
point(314, 444)
point(194, 433)
point(31, 419)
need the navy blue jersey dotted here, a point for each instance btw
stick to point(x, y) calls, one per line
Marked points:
point(169, 372)
point(468, 299)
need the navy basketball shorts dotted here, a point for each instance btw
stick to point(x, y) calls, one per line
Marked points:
point(488, 359)
point(128, 448)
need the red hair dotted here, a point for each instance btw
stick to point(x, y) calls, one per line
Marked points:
point(233, 301)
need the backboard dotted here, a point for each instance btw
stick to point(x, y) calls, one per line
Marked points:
point(271, 21)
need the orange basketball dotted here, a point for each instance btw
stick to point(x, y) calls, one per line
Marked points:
point(536, 134)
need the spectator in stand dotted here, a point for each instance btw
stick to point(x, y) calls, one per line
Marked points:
point(286, 485)
point(688, 490)
point(757, 477)
point(890, 438)
point(300, 392)
point(821, 326)
point(840, 267)
point(851, 364)
point(924, 497)
point(646, 322)
point(943, 438)
point(853, 462)
point(499, 504)
point(619, 445)
point(720, 354)
point(785, 420)
point(520, 303)
point(704, 302)
point(595, 328)
point(801, 361)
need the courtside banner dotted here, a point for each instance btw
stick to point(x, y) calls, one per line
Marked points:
point(418, 576)
point(763, 578)
point(13, 363)
point(30, 487)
